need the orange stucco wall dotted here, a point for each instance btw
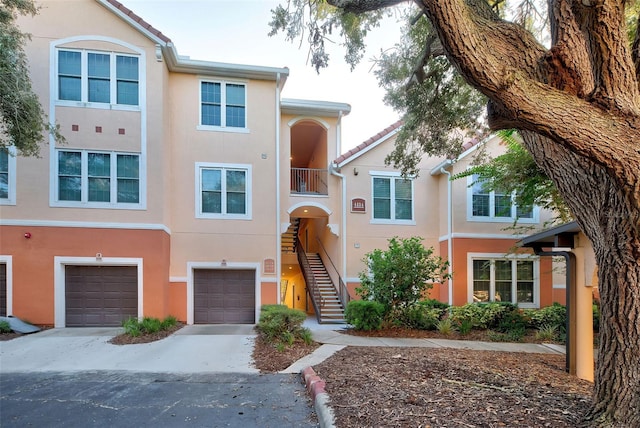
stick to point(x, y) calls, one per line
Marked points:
point(269, 293)
point(463, 246)
point(33, 263)
point(178, 300)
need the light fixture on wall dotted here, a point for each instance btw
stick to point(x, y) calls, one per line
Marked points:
point(224, 262)
point(355, 171)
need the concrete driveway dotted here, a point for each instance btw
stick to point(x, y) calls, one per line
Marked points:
point(193, 349)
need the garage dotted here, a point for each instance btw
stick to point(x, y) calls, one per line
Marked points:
point(100, 296)
point(224, 296)
point(3, 290)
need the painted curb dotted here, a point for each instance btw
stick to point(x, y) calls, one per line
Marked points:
point(315, 386)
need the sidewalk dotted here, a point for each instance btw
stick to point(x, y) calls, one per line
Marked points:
point(333, 340)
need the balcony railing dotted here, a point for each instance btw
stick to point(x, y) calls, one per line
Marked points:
point(309, 181)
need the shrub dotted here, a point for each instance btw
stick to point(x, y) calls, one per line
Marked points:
point(5, 327)
point(151, 325)
point(132, 327)
point(168, 322)
point(513, 320)
point(465, 327)
point(555, 315)
point(401, 275)
point(596, 317)
point(445, 326)
point(547, 332)
point(482, 315)
point(282, 325)
point(365, 314)
point(434, 304)
point(148, 325)
point(419, 316)
point(514, 335)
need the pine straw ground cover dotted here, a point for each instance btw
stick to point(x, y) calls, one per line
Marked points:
point(425, 387)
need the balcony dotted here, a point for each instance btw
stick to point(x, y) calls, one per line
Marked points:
point(309, 181)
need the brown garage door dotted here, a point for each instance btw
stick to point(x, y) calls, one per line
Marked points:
point(100, 296)
point(3, 290)
point(224, 296)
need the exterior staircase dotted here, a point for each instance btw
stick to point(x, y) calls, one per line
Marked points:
point(289, 239)
point(329, 308)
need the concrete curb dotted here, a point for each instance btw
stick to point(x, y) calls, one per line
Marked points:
point(315, 386)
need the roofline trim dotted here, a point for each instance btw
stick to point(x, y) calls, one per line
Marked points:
point(314, 107)
point(371, 146)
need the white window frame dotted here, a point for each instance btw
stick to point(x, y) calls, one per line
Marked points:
point(11, 173)
point(84, 85)
point(392, 176)
point(223, 167)
point(84, 186)
point(491, 218)
point(493, 257)
point(223, 103)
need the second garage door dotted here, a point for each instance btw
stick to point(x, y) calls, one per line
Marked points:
point(224, 296)
point(100, 296)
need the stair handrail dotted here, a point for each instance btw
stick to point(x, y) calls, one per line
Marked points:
point(343, 291)
point(310, 280)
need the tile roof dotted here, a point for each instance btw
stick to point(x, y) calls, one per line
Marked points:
point(362, 146)
point(139, 20)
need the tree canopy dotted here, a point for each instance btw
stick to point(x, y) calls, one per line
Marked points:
point(573, 97)
point(23, 123)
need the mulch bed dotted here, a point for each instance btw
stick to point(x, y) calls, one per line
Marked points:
point(269, 359)
point(125, 339)
point(425, 387)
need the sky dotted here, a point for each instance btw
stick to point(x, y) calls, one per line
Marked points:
point(236, 31)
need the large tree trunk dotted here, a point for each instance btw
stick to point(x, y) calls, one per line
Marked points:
point(578, 108)
point(615, 234)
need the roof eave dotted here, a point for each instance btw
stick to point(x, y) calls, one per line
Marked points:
point(314, 108)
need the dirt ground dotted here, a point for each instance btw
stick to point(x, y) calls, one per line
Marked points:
point(425, 387)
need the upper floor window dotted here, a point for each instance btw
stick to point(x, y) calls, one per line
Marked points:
point(495, 206)
point(504, 280)
point(223, 191)
point(7, 175)
point(392, 199)
point(97, 179)
point(223, 105)
point(98, 77)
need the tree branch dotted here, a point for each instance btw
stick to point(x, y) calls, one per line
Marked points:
point(616, 84)
point(361, 6)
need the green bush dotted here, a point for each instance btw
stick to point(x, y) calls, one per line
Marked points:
point(365, 314)
point(596, 317)
point(547, 332)
point(513, 320)
point(554, 315)
point(419, 315)
point(465, 327)
point(401, 275)
point(151, 325)
point(169, 322)
point(482, 315)
point(434, 304)
point(5, 327)
point(148, 325)
point(282, 325)
point(445, 326)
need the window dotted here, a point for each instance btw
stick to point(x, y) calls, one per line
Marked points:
point(98, 178)
point(7, 175)
point(494, 206)
point(504, 280)
point(392, 199)
point(98, 77)
point(223, 105)
point(223, 191)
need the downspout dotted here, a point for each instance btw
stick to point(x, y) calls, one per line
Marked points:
point(343, 179)
point(334, 171)
point(278, 234)
point(449, 232)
